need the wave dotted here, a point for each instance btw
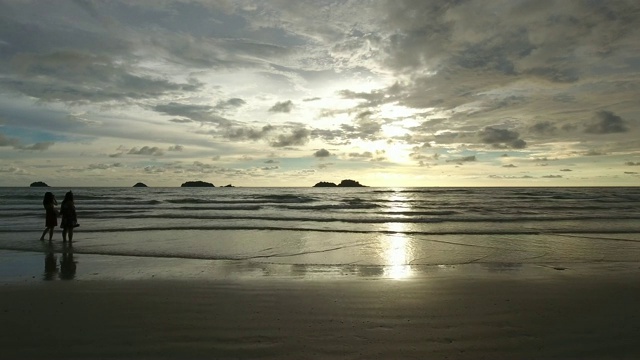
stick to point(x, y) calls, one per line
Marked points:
point(287, 198)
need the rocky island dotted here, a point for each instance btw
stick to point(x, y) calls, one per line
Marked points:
point(140, 185)
point(343, 183)
point(38, 184)
point(197, 184)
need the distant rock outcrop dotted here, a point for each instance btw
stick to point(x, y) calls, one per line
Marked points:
point(229, 185)
point(343, 183)
point(325, 184)
point(140, 185)
point(38, 184)
point(350, 183)
point(197, 184)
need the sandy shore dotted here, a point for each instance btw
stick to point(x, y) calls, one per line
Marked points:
point(464, 312)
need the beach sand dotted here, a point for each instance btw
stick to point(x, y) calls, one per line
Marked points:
point(455, 312)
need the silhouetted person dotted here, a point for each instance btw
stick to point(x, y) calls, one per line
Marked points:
point(49, 202)
point(69, 219)
point(67, 264)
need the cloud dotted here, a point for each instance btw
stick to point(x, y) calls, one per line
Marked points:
point(13, 170)
point(322, 153)
point(5, 141)
point(463, 159)
point(365, 155)
point(606, 122)
point(631, 163)
point(103, 166)
point(364, 127)
point(230, 104)
point(543, 127)
point(75, 76)
point(283, 107)
point(297, 137)
point(245, 133)
point(146, 150)
point(151, 169)
point(16, 144)
point(501, 138)
point(40, 146)
point(199, 113)
point(175, 148)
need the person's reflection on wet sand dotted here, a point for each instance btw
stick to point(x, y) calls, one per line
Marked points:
point(67, 264)
point(50, 264)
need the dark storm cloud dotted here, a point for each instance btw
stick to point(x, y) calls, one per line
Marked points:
point(283, 107)
point(606, 122)
point(296, 137)
point(322, 153)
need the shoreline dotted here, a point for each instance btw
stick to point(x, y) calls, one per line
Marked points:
point(30, 266)
point(128, 307)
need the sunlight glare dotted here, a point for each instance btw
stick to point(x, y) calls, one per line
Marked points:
point(398, 254)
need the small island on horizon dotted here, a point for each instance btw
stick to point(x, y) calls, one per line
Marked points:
point(197, 184)
point(38, 184)
point(343, 183)
point(140, 185)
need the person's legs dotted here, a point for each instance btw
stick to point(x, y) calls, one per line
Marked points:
point(70, 234)
point(51, 233)
point(64, 234)
point(44, 233)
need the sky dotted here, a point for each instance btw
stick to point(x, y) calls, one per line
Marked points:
point(291, 93)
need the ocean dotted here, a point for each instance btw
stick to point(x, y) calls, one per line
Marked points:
point(389, 231)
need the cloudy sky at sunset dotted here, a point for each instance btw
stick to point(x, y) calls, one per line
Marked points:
point(289, 93)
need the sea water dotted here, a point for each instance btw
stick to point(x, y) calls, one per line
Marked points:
point(396, 229)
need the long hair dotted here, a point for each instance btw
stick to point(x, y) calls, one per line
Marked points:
point(49, 198)
point(68, 197)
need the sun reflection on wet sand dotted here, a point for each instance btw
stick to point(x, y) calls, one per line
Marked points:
point(397, 249)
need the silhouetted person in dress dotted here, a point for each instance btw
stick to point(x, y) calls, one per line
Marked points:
point(49, 202)
point(69, 219)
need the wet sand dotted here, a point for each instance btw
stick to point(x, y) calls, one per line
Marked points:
point(460, 312)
